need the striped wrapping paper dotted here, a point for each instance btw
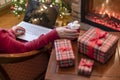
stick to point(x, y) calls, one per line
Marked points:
point(64, 53)
point(100, 53)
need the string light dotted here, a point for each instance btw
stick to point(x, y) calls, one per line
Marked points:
point(18, 7)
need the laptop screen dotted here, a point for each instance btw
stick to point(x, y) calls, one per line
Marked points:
point(41, 14)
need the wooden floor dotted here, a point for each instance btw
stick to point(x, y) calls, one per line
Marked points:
point(8, 20)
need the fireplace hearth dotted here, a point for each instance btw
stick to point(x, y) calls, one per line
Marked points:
point(104, 14)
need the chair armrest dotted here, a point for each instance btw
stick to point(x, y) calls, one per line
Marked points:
point(18, 57)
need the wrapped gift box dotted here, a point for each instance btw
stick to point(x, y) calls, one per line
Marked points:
point(98, 44)
point(64, 53)
point(85, 66)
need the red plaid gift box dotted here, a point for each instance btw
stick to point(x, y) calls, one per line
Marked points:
point(64, 53)
point(98, 44)
point(85, 67)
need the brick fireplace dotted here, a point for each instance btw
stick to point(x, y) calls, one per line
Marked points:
point(76, 9)
point(76, 13)
point(103, 14)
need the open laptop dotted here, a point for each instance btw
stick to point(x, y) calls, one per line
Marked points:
point(32, 31)
point(47, 17)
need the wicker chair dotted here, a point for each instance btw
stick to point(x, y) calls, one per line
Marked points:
point(24, 66)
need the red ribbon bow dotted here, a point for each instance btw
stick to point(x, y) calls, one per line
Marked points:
point(64, 49)
point(99, 35)
point(96, 40)
point(86, 63)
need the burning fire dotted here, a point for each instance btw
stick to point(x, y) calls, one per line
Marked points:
point(105, 16)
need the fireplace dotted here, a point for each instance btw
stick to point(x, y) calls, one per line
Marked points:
point(104, 14)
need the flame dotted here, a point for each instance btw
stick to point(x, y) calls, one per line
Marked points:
point(107, 1)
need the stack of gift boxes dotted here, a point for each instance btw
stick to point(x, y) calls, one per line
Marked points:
point(97, 44)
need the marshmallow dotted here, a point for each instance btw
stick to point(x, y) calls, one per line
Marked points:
point(74, 25)
point(76, 22)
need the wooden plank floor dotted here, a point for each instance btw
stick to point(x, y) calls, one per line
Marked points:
point(8, 20)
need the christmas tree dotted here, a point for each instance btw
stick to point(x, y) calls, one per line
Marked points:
point(64, 8)
point(18, 7)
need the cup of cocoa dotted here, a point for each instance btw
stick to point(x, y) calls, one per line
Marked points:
point(74, 25)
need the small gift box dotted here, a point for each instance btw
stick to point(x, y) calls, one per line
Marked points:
point(64, 53)
point(85, 67)
point(97, 44)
